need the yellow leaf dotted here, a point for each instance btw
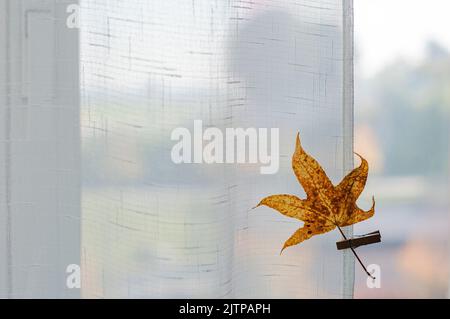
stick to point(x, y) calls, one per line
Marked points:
point(326, 206)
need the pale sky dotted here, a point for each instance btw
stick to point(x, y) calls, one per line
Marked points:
point(387, 29)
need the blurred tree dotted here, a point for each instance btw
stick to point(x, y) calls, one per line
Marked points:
point(411, 117)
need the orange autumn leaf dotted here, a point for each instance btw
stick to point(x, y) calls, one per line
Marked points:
point(326, 206)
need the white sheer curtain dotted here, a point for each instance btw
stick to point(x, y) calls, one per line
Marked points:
point(151, 228)
point(86, 116)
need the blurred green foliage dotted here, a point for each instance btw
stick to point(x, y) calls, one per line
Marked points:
point(409, 110)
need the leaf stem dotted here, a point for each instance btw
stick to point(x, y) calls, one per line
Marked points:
point(356, 255)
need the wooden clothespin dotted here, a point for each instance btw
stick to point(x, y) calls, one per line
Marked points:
point(367, 239)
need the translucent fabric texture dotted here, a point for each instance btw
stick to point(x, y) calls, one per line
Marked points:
point(86, 158)
point(152, 228)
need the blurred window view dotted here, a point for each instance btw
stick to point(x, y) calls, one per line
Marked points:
point(86, 115)
point(402, 117)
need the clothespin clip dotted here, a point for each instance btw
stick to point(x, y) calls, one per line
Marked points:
point(367, 239)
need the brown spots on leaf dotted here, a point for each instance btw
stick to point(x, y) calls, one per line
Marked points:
point(326, 206)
